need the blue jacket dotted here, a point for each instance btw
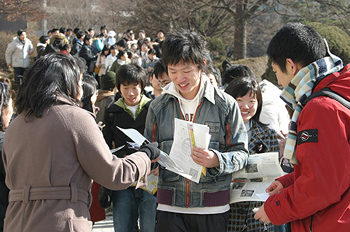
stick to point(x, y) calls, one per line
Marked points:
point(228, 140)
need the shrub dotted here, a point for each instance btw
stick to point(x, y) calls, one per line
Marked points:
point(5, 39)
point(338, 40)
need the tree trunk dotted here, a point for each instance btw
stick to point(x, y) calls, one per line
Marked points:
point(240, 44)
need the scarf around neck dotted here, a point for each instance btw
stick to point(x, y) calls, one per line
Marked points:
point(300, 88)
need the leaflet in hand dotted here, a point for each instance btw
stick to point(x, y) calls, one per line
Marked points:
point(187, 135)
point(250, 183)
point(164, 159)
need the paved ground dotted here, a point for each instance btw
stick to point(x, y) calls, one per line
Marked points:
point(104, 226)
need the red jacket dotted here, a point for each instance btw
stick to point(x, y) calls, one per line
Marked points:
point(317, 194)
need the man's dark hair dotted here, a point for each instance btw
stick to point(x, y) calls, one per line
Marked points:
point(131, 73)
point(113, 47)
point(184, 45)
point(63, 46)
point(54, 30)
point(122, 43)
point(211, 69)
point(152, 51)
point(90, 29)
point(103, 27)
point(43, 39)
point(81, 63)
point(80, 34)
point(236, 71)
point(87, 37)
point(158, 68)
point(50, 76)
point(75, 31)
point(69, 29)
point(121, 53)
point(148, 44)
point(301, 43)
point(63, 30)
point(20, 31)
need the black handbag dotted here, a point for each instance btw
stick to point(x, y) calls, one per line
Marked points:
point(104, 197)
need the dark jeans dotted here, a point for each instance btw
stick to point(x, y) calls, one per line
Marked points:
point(177, 222)
point(18, 75)
point(129, 205)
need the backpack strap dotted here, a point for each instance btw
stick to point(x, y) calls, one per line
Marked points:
point(328, 93)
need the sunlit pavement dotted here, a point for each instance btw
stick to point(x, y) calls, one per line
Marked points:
point(104, 226)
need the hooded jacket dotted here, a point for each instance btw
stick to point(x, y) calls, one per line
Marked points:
point(316, 197)
point(228, 141)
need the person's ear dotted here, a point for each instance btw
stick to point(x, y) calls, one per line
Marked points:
point(292, 66)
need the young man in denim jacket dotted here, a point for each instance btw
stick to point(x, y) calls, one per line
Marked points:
point(184, 205)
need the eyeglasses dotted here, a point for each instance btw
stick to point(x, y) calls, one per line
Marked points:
point(163, 83)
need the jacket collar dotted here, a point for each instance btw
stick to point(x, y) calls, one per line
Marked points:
point(208, 89)
point(141, 106)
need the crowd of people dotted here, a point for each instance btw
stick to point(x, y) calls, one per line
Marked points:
point(65, 148)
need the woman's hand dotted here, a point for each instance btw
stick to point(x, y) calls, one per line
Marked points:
point(274, 187)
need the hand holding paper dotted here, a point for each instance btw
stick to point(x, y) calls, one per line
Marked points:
point(205, 157)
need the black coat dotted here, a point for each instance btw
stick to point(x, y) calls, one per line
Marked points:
point(117, 116)
point(87, 53)
point(76, 48)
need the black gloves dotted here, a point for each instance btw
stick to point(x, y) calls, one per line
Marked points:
point(151, 150)
point(126, 150)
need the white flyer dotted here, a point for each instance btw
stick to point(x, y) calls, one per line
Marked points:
point(181, 149)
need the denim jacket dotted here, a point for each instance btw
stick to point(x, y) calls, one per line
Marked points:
point(228, 140)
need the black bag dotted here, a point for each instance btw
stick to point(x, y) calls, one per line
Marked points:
point(104, 197)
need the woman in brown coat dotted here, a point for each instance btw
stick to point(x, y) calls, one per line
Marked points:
point(54, 148)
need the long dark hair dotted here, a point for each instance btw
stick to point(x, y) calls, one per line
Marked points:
point(5, 96)
point(89, 87)
point(241, 86)
point(50, 76)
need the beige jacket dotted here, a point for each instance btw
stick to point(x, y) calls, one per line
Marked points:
point(49, 165)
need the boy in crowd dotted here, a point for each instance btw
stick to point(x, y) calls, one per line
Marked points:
point(159, 79)
point(129, 111)
point(182, 204)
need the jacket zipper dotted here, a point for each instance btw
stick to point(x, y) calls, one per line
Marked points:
point(187, 180)
point(228, 132)
point(154, 132)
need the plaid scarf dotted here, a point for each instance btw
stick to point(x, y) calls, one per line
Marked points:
point(300, 88)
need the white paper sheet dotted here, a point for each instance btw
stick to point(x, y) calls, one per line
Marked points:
point(182, 148)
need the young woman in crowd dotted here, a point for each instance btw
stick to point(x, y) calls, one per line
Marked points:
point(261, 139)
point(102, 64)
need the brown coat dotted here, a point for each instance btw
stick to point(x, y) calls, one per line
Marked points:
point(49, 165)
